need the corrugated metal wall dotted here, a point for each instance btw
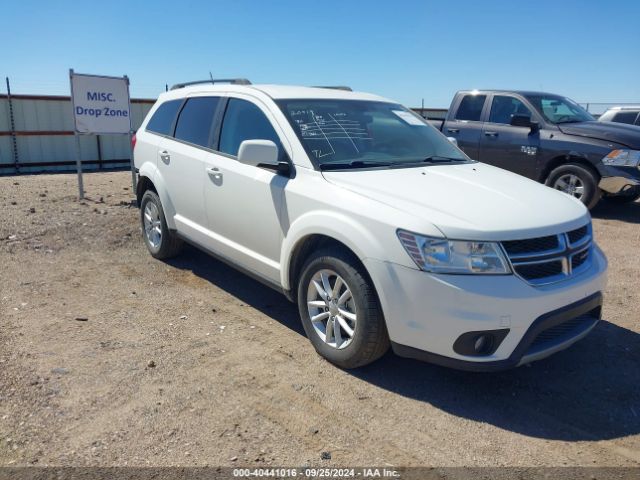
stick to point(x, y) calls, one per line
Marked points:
point(45, 140)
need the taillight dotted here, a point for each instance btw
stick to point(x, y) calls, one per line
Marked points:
point(133, 141)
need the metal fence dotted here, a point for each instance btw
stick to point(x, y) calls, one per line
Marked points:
point(36, 135)
point(598, 108)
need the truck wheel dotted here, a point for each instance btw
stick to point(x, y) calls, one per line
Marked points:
point(622, 199)
point(161, 242)
point(340, 310)
point(576, 180)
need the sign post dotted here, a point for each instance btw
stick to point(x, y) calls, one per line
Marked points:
point(101, 106)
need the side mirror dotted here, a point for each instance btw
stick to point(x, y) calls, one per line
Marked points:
point(258, 152)
point(524, 121)
point(453, 140)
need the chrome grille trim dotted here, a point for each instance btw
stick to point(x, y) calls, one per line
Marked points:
point(564, 254)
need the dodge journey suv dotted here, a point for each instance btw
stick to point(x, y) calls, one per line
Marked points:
point(380, 229)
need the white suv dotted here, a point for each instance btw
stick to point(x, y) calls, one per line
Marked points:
point(381, 230)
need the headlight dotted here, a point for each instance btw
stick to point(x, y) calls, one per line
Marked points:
point(623, 158)
point(440, 255)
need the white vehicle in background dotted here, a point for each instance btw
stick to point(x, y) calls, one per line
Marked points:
point(381, 230)
point(628, 114)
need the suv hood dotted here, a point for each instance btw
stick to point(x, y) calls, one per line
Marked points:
point(628, 135)
point(471, 201)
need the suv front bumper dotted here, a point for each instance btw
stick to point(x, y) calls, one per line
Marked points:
point(530, 348)
point(426, 314)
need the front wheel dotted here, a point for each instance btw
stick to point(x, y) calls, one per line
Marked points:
point(340, 310)
point(576, 180)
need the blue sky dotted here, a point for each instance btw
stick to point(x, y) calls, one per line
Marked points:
point(405, 50)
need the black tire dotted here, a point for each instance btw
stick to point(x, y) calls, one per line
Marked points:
point(370, 339)
point(170, 244)
point(622, 199)
point(587, 177)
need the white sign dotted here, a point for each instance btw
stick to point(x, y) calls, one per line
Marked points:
point(100, 104)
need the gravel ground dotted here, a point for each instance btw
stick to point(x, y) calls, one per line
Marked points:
point(111, 358)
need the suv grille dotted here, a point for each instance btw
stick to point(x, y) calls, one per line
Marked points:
point(576, 235)
point(553, 258)
point(531, 245)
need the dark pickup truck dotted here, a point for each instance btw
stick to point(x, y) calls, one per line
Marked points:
point(548, 138)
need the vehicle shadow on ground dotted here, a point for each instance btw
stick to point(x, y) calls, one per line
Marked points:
point(246, 289)
point(586, 393)
point(629, 212)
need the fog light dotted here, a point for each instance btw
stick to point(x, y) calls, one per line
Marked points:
point(479, 343)
point(483, 344)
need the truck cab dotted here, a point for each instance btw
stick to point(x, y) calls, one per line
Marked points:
point(548, 138)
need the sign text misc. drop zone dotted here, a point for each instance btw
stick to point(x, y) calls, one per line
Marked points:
point(100, 104)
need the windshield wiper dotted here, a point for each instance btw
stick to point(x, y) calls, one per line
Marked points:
point(431, 159)
point(439, 159)
point(353, 164)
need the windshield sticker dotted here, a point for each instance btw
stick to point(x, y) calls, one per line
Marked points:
point(409, 118)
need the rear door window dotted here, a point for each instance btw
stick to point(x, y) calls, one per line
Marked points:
point(470, 108)
point(504, 107)
point(162, 120)
point(196, 120)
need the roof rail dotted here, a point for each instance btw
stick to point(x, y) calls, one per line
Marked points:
point(335, 87)
point(233, 81)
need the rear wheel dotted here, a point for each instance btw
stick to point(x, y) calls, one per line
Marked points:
point(340, 310)
point(161, 242)
point(576, 180)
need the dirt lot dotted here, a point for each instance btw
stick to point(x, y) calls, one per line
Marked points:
point(108, 357)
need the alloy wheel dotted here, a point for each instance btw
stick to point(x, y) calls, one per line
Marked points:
point(570, 184)
point(331, 308)
point(152, 224)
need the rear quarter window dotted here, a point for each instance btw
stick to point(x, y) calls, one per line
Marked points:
point(162, 120)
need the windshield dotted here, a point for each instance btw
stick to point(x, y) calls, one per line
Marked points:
point(361, 134)
point(557, 109)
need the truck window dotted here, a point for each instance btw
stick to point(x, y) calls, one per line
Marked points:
point(471, 108)
point(625, 117)
point(504, 107)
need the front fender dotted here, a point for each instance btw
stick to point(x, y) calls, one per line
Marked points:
point(335, 225)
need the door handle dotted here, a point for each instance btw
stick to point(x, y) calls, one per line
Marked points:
point(165, 156)
point(491, 134)
point(214, 172)
point(453, 130)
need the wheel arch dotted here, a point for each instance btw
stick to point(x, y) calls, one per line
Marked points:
point(144, 184)
point(150, 178)
point(310, 233)
point(571, 157)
